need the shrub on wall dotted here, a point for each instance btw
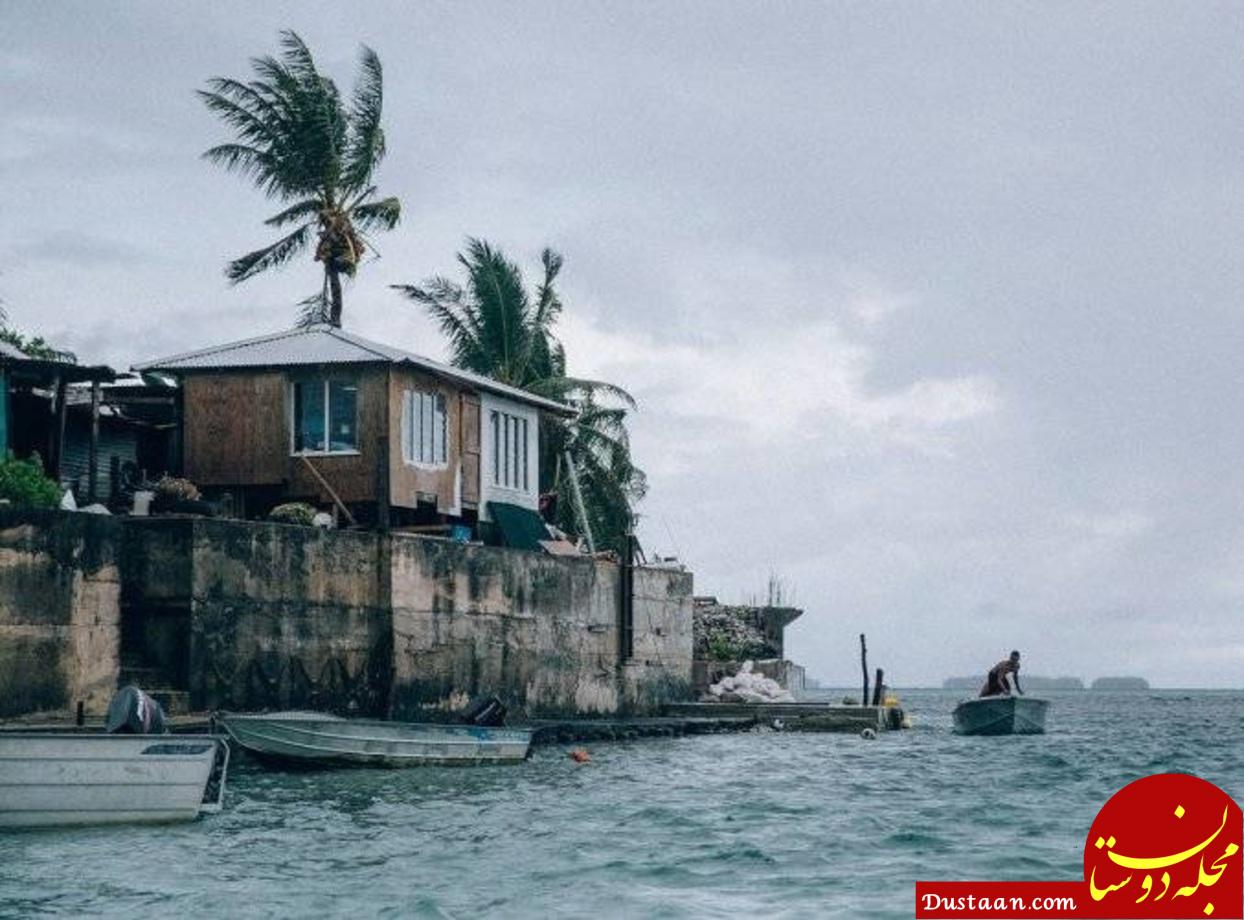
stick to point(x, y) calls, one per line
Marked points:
point(23, 484)
point(292, 513)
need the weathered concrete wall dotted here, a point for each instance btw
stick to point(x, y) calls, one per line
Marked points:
point(541, 632)
point(537, 631)
point(253, 616)
point(270, 616)
point(660, 668)
point(59, 611)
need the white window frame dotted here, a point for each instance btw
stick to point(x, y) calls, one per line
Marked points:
point(409, 454)
point(510, 439)
point(491, 487)
point(325, 381)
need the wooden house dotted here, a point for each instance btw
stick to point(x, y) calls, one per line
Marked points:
point(322, 415)
point(35, 399)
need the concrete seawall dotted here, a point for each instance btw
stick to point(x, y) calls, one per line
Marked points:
point(250, 615)
point(60, 590)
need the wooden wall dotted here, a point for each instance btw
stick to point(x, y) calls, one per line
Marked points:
point(236, 431)
point(354, 477)
point(407, 480)
point(237, 434)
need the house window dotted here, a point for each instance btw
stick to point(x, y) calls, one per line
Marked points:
point(424, 428)
point(325, 417)
point(510, 467)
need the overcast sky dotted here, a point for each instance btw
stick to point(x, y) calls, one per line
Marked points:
point(932, 310)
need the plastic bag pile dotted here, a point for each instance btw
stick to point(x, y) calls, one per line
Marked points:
point(748, 687)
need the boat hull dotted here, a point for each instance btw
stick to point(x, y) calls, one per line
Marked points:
point(65, 780)
point(312, 739)
point(1001, 715)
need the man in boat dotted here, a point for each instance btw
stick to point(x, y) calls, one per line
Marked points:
point(1001, 676)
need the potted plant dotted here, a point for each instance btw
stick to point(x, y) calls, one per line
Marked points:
point(178, 496)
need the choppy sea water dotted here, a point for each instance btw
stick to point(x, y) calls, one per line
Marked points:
point(761, 824)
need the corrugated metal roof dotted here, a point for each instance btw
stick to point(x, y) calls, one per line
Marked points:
point(324, 344)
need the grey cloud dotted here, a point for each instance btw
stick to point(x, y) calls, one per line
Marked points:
point(74, 248)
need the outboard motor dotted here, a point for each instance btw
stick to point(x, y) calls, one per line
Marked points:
point(488, 712)
point(133, 712)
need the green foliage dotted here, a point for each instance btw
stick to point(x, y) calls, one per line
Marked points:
point(292, 513)
point(496, 328)
point(721, 648)
point(24, 485)
point(170, 488)
point(301, 143)
point(36, 347)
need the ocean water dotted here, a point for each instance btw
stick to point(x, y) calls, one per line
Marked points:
point(740, 825)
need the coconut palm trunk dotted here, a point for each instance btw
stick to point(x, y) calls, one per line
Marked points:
point(334, 297)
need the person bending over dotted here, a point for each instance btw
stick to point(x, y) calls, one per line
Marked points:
point(1001, 676)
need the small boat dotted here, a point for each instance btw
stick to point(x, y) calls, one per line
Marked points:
point(317, 739)
point(67, 779)
point(1001, 715)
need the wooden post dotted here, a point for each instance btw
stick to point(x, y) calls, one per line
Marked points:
point(626, 587)
point(337, 503)
point(879, 688)
point(92, 490)
point(382, 483)
point(864, 668)
point(58, 430)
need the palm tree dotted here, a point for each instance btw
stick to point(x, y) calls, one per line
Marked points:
point(495, 328)
point(301, 144)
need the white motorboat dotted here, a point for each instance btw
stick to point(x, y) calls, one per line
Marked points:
point(318, 739)
point(65, 779)
point(1001, 715)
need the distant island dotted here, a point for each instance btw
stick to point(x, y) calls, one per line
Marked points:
point(1028, 682)
point(1120, 683)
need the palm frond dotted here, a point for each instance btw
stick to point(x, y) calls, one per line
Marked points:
point(548, 305)
point(384, 213)
point(300, 211)
point(297, 56)
point(248, 161)
point(277, 254)
point(444, 301)
point(254, 118)
point(365, 148)
point(314, 310)
point(497, 293)
point(580, 389)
